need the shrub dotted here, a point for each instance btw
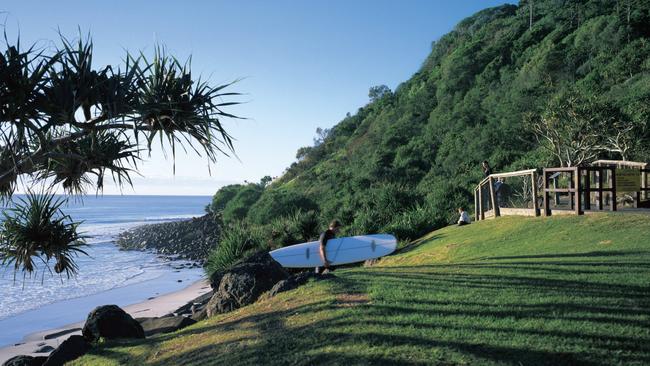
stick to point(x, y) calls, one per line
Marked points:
point(414, 223)
point(236, 241)
point(299, 227)
point(237, 207)
point(222, 197)
point(276, 203)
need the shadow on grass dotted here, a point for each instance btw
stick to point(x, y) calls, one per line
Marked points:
point(468, 313)
point(575, 255)
point(416, 243)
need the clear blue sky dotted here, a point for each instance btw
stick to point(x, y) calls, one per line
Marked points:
point(306, 64)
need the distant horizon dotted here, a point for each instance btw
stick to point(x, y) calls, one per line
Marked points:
point(304, 65)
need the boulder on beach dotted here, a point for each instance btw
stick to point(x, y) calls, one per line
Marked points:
point(165, 324)
point(24, 360)
point(110, 321)
point(72, 348)
point(245, 282)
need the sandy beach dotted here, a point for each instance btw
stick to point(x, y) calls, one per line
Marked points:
point(154, 307)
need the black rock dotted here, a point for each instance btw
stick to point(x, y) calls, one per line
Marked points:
point(245, 282)
point(195, 305)
point(190, 239)
point(44, 349)
point(164, 324)
point(200, 314)
point(297, 280)
point(215, 280)
point(24, 360)
point(109, 321)
point(282, 286)
point(72, 348)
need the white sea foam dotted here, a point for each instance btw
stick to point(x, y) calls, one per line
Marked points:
point(106, 267)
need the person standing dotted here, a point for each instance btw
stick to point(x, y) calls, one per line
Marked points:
point(486, 169)
point(325, 236)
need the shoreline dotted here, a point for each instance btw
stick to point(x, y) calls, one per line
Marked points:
point(152, 307)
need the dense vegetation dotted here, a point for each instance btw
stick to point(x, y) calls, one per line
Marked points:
point(569, 290)
point(495, 88)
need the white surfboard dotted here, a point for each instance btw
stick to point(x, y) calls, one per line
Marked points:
point(339, 251)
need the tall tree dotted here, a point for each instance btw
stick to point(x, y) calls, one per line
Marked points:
point(65, 122)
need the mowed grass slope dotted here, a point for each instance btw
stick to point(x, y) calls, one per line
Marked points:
point(512, 291)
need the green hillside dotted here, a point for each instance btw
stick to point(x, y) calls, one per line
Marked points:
point(405, 161)
point(512, 291)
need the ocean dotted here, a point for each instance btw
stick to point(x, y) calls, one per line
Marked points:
point(105, 269)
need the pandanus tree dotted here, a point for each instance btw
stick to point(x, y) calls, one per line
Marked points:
point(66, 124)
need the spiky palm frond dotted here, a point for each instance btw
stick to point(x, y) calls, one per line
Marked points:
point(37, 229)
point(7, 186)
point(174, 106)
point(73, 163)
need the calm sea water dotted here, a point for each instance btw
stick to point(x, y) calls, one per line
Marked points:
point(106, 267)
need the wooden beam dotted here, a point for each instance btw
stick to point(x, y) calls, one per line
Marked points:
point(587, 190)
point(480, 203)
point(556, 196)
point(577, 194)
point(600, 189)
point(566, 169)
point(513, 174)
point(561, 190)
point(493, 198)
point(613, 185)
point(533, 179)
point(572, 184)
point(547, 209)
point(476, 213)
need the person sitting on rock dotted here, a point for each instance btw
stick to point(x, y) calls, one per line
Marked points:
point(326, 235)
point(464, 217)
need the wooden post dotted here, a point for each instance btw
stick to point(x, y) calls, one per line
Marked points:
point(644, 183)
point(534, 189)
point(572, 185)
point(493, 198)
point(547, 210)
point(613, 185)
point(476, 213)
point(587, 197)
point(480, 203)
point(600, 188)
point(577, 193)
point(556, 195)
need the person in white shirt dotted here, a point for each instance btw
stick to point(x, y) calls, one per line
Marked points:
point(464, 217)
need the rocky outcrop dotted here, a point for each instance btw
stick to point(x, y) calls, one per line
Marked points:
point(190, 239)
point(296, 281)
point(109, 321)
point(24, 360)
point(71, 349)
point(245, 282)
point(44, 349)
point(194, 307)
point(166, 324)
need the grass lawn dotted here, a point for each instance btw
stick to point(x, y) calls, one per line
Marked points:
point(513, 291)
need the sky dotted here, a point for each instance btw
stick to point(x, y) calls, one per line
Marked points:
point(303, 64)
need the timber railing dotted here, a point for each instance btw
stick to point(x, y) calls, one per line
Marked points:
point(568, 190)
point(487, 200)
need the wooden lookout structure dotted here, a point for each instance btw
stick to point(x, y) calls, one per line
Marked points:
point(488, 200)
point(610, 185)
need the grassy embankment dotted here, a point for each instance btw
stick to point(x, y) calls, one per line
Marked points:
point(522, 291)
